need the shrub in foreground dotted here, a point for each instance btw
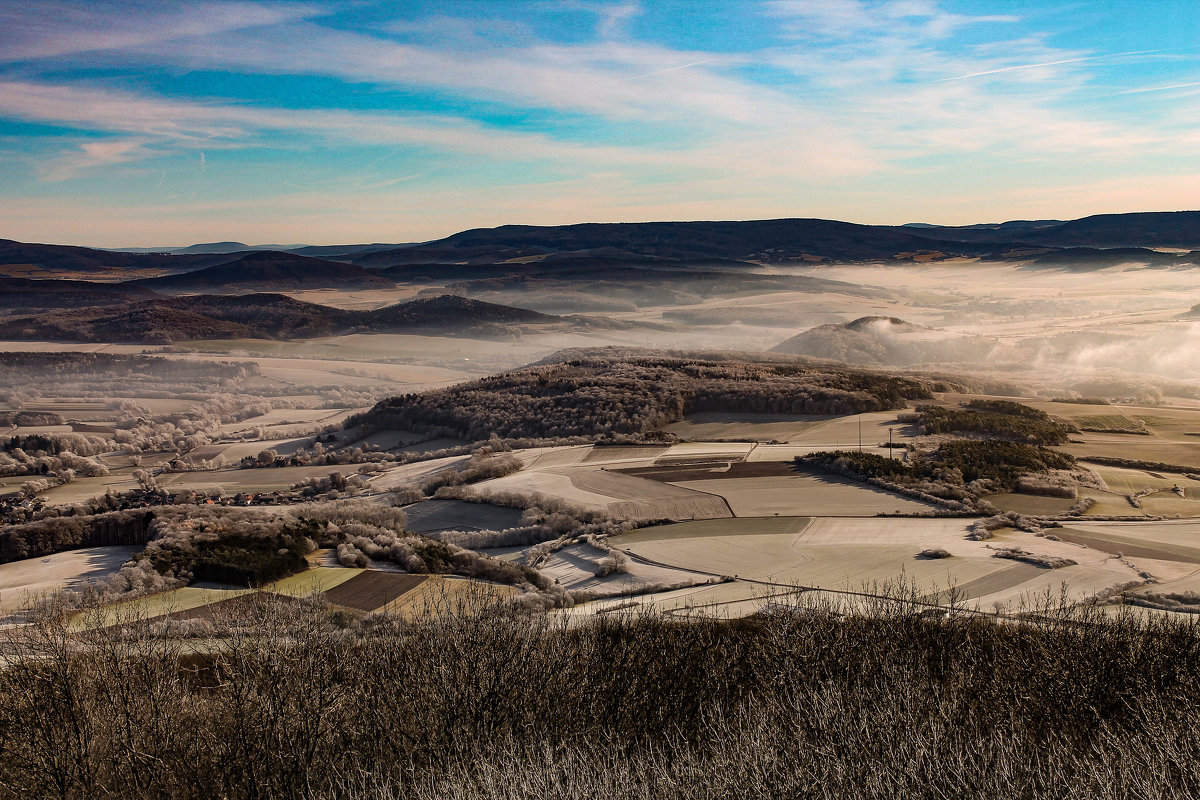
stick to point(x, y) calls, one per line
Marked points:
point(879, 700)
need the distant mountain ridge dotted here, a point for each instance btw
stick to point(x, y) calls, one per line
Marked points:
point(691, 243)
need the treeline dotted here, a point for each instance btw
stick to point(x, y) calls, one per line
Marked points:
point(250, 546)
point(57, 534)
point(879, 701)
point(965, 467)
point(117, 375)
point(997, 419)
point(600, 396)
point(64, 455)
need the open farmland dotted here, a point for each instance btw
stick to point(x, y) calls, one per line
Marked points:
point(862, 555)
point(372, 590)
point(622, 496)
point(715, 426)
point(804, 495)
point(455, 515)
point(577, 567)
point(442, 594)
point(23, 581)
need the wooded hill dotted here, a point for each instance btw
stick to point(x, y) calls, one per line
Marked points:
point(269, 316)
point(600, 393)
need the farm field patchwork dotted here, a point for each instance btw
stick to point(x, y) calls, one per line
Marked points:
point(806, 495)
point(863, 554)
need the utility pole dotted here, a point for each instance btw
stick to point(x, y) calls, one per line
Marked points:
point(891, 447)
point(860, 432)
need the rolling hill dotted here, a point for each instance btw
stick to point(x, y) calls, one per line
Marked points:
point(886, 341)
point(271, 316)
point(50, 293)
point(266, 270)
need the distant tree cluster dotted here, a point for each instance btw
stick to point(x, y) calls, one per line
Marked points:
point(63, 455)
point(995, 419)
point(66, 374)
point(602, 396)
point(960, 469)
point(56, 534)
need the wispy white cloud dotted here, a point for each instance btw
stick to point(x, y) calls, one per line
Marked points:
point(850, 109)
point(38, 29)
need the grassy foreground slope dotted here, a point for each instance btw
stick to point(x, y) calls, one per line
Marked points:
point(296, 700)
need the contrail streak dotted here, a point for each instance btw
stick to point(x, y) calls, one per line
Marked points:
point(1044, 64)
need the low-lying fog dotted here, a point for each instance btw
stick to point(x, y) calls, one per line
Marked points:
point(1120, 333)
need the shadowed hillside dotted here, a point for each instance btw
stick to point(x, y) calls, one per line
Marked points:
point(271, 316)
point(24, 293)
point(270, 271)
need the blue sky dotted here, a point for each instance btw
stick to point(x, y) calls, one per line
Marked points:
point(165, 123)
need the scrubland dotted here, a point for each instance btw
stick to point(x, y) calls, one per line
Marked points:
point(814, 699)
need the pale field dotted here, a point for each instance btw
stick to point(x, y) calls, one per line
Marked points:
point(81, 489)
point(760, 427)
point(842, 433)
point(283, 416)
point(641, 498)
point(26, 430)
point(234, 453)
point(1125, 481)
point(789, 452)
point(574, 568)
point(550, 484)
point(447, 593)
point(1188, 583)
point(21, 582)
point(1163, 502)
point(1032, 504)
point(232, 481)
point(857, 555)
point(621, 455)
point(443, 515)
point(699, 450)
point(415, 473)
point(1168, 540)
point(732, 599)
point(1050, 586)
point(311, 581)
point(622, 496)
point(1138, 448)
point(154, 605)
point(804, 495)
